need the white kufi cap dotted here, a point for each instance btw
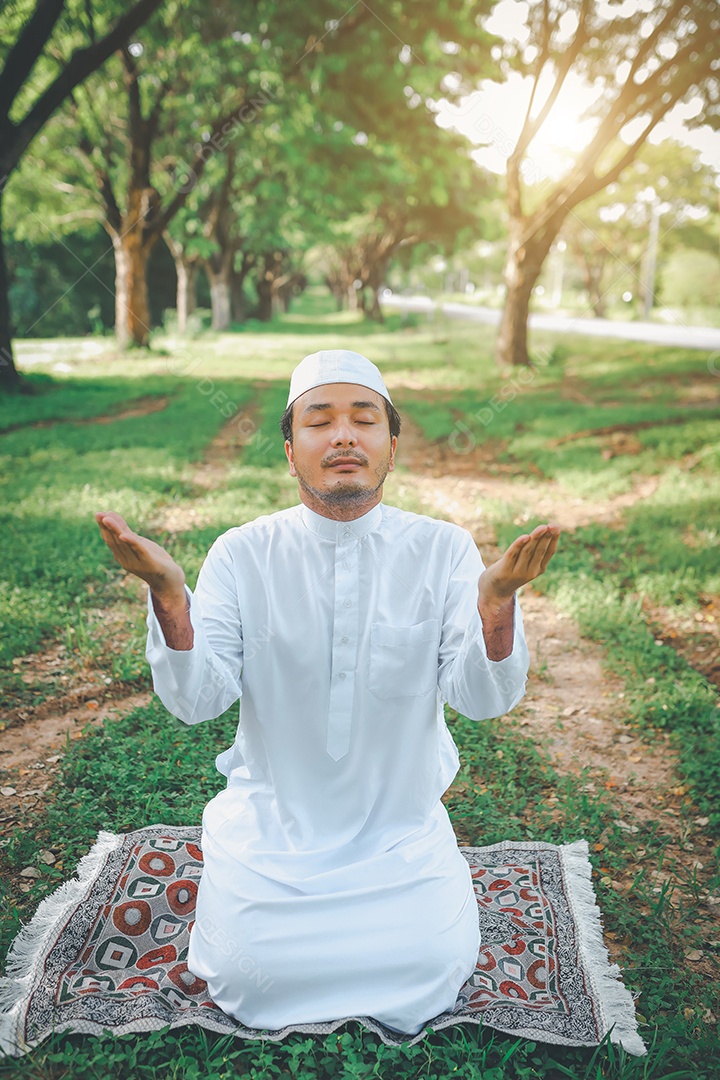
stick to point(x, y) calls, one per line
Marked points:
point(335, 366)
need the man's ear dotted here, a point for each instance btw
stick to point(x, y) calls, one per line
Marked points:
point(393, 448)
point(289, 455)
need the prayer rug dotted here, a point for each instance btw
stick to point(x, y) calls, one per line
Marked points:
point(107, 951)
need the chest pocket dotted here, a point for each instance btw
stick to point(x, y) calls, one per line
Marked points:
point(403, 659)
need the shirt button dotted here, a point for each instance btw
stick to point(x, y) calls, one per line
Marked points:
point(346, 532)
point(344, 640)
point(346, 566)
point(348, 603)
point(341, 675)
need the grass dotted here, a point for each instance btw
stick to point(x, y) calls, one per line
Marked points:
point(61, 586)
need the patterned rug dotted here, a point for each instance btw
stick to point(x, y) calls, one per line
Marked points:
point(107, 951)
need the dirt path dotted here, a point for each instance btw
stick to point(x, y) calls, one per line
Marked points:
point(143, 406)
point(30, 753)
point(458, 484)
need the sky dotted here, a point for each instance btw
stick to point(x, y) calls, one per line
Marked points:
point(493, 114)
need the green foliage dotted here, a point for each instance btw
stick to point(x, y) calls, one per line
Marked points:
point(55, 477)
point(691, 279)
point(608, 234)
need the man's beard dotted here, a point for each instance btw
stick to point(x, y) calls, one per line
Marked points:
point(349, 493)
point(342, 495)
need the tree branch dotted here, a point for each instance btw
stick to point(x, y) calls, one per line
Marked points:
point(131, 85)
point(531, 127)
point(582, 181)
point(78, 215)
point(81, 64)
point(86, 145)
point(69, 189)
point(651, 40)
point(542, 59)
point(91, 21)
point(24, 53)
point(197, 167)
point(155, 112)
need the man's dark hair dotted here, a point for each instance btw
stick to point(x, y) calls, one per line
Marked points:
point(392, 414)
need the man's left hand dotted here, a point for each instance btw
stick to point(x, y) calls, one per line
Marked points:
point(525, 559)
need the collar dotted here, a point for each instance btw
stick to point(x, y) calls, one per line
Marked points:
point(341, 530)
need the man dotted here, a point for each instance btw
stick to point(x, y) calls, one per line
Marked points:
point(333, 885)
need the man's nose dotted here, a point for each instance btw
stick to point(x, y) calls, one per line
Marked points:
point(343, 433)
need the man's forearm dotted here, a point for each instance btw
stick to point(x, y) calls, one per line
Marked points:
point(498, 619)
point(174, 618)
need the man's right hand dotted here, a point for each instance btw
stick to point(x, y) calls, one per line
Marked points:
point(144, 558)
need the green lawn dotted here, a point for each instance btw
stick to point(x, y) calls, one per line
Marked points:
point(58, 584)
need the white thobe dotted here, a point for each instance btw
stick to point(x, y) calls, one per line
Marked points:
point(333, 885)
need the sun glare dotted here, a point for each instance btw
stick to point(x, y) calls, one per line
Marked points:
point(492, 118)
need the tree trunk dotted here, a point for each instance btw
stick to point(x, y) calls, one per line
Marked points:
point(132, 310)
point(264, 309)
point(596, 296)
point(522, 269)
point(10, 378)
point(338, 291)
point(376, 312)
point(238, 299)
point(265, 286)
point(186, 291)
point(511, 341)
point(218, 269)
point(293, 285)
point(133, 244)
point(373, 277)
point(220, 299)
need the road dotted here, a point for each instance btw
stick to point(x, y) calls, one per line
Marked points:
point(690, 337)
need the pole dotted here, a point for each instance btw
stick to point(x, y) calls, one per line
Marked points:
point(651, 263)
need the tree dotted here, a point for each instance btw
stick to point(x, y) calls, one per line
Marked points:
point(161, 95)
point(691, 279)
point(89, 36)
point(608, 235)
point(642, 64)
point(158, 102)
point(251, 214)
point(382, 198)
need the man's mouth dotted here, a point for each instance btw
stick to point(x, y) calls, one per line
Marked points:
point(345, 463)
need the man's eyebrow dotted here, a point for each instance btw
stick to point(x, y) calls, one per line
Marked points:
point(320, 406)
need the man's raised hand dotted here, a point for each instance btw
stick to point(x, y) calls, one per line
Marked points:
point(144, 558)
point(525, 559)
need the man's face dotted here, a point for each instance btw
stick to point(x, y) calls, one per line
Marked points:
point(341, 450)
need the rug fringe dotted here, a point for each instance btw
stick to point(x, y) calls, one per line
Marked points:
point(616, 1001)
point(24, 965)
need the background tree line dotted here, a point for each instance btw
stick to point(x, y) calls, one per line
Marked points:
point(231, 141)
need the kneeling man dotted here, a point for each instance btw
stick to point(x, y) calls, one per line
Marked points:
point(342, 625)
